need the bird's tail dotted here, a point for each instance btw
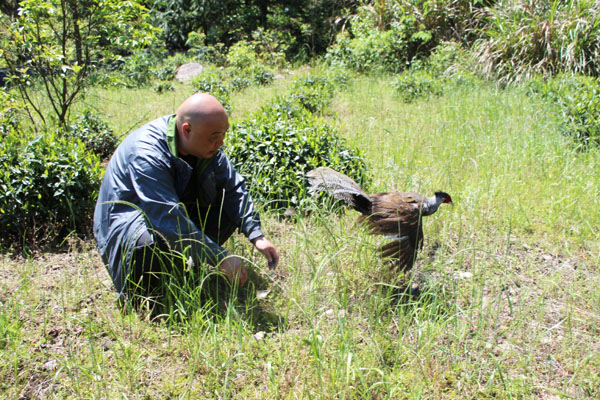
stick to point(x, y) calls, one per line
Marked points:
point(340, 186)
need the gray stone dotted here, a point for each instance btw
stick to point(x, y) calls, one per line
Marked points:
point(187, 72)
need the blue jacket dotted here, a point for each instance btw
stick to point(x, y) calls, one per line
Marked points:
point(142, 185)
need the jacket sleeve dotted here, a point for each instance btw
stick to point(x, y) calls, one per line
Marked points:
point(153, 181)
point(237, 201)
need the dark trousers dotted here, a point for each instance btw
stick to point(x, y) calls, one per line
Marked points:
point(153, 266)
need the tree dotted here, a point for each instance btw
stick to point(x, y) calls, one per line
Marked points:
point(53, 45)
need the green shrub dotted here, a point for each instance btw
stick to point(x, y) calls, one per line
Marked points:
point(274, 153)
point(49, 188)
point(140, 69)
point(163, 86)
point(578, 101)
point(253, 75)
point(376, 51)
point(95, 134)
point(415, 84)
point(9, 121)
point(241, 55)
point(276, 146)
point(212, 80)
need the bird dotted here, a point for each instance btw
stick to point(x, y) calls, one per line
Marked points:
point(395, 215)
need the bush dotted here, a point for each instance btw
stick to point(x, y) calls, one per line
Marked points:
point(9, 120)
point(415, 84)
point(95, 134)
point(578, 101)
point(241, 55)
point(253, 75)
point(376, 51)
point(49, 185)
point(275, 153)
point(212, 80)
point(279, 144)
point(140, 69)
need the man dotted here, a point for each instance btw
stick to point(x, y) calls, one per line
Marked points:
point(169, 189)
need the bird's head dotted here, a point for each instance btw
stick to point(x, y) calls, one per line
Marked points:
point(443, 197)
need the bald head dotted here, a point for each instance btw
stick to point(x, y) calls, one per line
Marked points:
point(199, 107)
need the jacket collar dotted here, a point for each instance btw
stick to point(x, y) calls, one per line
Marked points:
point(172, 135)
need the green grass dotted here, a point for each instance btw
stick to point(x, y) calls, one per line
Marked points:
point(510, 303)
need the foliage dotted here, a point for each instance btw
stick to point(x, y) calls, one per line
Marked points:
point(276, 146)
point(282, 27)
point(244, 72)
point(49, 187)
point(415, 84)
point(201, 51)
point(9, 110)
point(578, 101)
point(522, 40)
point(241, 55)
point(95, 134)
point(445, 69)
point(274, 154)
point(139, 69)
point(390, 35)
point(272, 45)
point(57, 43)
point(373, 52)
point(212, 80)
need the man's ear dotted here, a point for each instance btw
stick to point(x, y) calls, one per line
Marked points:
point(186, 128)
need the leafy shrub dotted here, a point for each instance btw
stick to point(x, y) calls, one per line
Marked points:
point(275, 153)
point(275, 147)
point(315, 91)
point(391, 35)
point(253, 75)
point(376, 51)
point(95, 134)
point(201, 51)
point(49, 187)
point(163, 86)
point(9, 121)
point(578, 101)
point(241, 55)
point(415, 84)
point(212, 80)
point(140, 69)
point(272, 45)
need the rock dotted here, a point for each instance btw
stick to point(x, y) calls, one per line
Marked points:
point(187, 72)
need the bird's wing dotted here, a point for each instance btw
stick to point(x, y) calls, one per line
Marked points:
point(398, 216)
point(400, 252)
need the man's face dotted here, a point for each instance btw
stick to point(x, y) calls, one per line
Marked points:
point(205, 138)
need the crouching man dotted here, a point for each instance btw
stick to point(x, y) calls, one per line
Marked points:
point(169, 189)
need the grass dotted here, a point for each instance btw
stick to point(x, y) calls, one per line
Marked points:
point(510, 294)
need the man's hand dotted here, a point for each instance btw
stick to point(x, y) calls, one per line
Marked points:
point(234, 270)
point(263, 245)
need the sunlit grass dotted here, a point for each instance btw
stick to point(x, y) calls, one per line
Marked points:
point(510, 294)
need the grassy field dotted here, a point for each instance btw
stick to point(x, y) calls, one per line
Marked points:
point(509, 277)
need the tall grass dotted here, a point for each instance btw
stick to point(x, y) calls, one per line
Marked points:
point(525, 38)
point(509, 283)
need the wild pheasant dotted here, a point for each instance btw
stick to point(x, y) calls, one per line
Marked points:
point(397, 215)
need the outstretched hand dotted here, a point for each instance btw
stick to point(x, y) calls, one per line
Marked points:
point(234, 269)
point(265, 246)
